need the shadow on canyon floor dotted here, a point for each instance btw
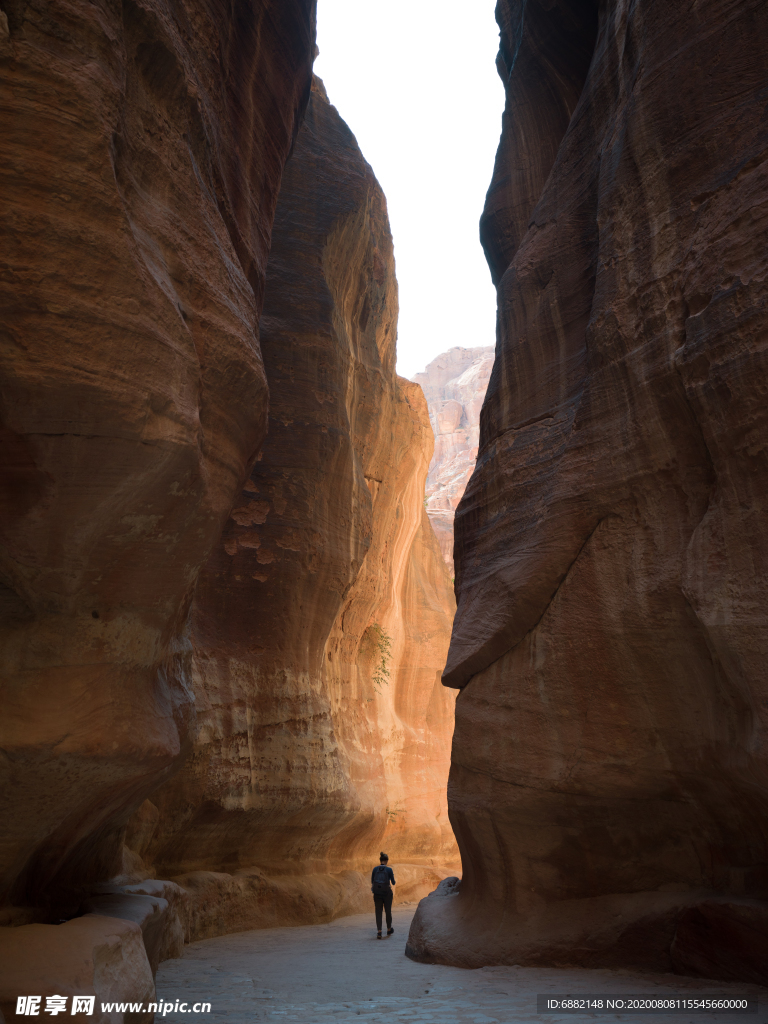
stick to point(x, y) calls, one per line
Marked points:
point(340, 972)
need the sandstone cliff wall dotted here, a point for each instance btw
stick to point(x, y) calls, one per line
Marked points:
point(141, 149)
point(454, 385)
point(610, 761)
point(305, 765)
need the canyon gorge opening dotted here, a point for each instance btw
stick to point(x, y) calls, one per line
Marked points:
point(269, 608)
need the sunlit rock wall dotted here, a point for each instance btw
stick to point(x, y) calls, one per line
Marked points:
point(454, 385)
point(610, 762)
point(305, 766)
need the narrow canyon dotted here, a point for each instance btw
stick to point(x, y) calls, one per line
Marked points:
point(321, 620)
point(268, 608)
point(225, 611)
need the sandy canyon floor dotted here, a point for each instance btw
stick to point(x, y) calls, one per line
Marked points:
point(340, 972)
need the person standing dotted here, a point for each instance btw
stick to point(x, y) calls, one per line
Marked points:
point(381, 877)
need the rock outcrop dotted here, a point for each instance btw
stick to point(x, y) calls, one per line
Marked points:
point(723, 939)
point(142, 148)
point(454, 385)
point(91, 955)
point(610, 761)
point(322, 619)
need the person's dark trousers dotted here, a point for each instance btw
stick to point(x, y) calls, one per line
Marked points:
point(385, 902)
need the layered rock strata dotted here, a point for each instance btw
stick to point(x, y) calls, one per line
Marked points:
point(454, 385)
point(142, 150)
point(610, 761)
point(322, 619)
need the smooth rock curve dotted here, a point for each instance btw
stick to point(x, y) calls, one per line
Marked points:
point(611, 753)
point(142, 145)
point(309, 759)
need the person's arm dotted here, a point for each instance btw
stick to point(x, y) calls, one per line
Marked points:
point(392, 875)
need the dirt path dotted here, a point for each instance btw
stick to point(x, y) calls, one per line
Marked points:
point(340, 972)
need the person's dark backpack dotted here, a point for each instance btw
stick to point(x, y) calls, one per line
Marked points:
point(380, 879)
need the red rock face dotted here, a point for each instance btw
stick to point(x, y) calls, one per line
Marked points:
point(142, 149)
point(306, 765)
point(610, 762)
point(723, 939)
point(454, 385)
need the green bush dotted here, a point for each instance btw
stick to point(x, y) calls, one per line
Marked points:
point(381, 642)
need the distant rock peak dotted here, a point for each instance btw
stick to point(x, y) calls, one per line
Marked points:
point(454, 384)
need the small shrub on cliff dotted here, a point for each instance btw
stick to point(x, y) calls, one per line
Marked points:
point(380, 644)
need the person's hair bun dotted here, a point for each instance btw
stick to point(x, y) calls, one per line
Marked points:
point(382, 854)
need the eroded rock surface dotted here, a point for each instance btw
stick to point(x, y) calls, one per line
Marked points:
point(90, 955)
point(610, 762)
point(454, 385)
point(142, 149)
point(309, 759)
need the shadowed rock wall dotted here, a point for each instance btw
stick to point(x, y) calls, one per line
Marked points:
point(305, 766)
point(610, 761)
point(142, 146)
